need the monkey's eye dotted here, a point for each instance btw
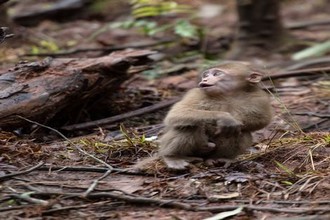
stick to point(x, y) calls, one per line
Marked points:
point(205, 74)
point(218, 73)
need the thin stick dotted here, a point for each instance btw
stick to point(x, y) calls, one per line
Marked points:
point(94, 184)
point(308, 23)
point(169, 203)
point(22, 172)
point(26, 197)
point(120, 117)
point(293, 73)
point(91, 169)
point(311, 114)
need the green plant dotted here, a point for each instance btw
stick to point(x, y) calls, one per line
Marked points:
point(147, 8)
point(292, 121)
point(284, 168)
point(327, 139)
point(144, 10)
point(45, 46)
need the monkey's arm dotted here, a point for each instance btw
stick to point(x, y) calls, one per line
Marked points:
point(257, 113)
point(188, 112)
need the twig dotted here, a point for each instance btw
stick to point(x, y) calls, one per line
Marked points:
point(168, 203)
point(290, 202)
point(90, 169)
point(293, 73)
point(308, 23)
point(21, 172)
point(67, 139)
point(270, 209)
point(311, 114)
point(299, 64)
point(26, 197)
point(94, 184)
point(74, 207)
point(66, 208)
point(79, 169)
point(4, 209)
point(305, 63)
point(310, 217)
point(3, 33)
point(120, 117)
point(315, 125)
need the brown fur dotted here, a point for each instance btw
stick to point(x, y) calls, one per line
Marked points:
point(215, 121)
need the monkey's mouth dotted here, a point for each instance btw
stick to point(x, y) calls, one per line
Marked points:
point(204, 85)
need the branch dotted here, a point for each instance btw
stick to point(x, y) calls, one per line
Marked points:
point(121, 117)
point(293, 73)
point(90, 169)
point(169, 203)
point(2, 178)
point(308, 23)
point(95, 182)
point(26, 197)
point(311, 114)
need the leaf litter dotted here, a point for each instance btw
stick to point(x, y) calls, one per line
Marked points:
point(287, 174)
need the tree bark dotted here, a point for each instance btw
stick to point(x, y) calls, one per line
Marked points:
point(40, 90)
point(260, 26)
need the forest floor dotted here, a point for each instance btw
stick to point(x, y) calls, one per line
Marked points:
point(285, 175)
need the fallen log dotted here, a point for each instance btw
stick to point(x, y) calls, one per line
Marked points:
point(40, 90)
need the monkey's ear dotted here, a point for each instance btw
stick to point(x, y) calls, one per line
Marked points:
point(254, 77)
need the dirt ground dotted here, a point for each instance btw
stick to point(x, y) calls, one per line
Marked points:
point(285, 175)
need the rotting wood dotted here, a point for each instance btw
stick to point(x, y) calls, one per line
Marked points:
point(39, 90)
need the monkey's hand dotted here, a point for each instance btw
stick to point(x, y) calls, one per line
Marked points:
point(206, 149)
point(228, 127)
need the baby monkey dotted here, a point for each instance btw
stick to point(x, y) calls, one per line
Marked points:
point(215, 121)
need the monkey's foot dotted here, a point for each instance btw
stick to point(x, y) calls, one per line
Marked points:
point(176, 163)
point(192, 159)
point(219, 161)
point(180, 163)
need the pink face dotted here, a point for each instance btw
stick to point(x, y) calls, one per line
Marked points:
point(218, 81)
point(227, 80)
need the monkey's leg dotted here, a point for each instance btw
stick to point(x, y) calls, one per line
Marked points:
point(145, 163)
point(231, 147)
point(228, 148)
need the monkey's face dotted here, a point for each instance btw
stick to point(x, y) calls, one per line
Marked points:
point(217, 81)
